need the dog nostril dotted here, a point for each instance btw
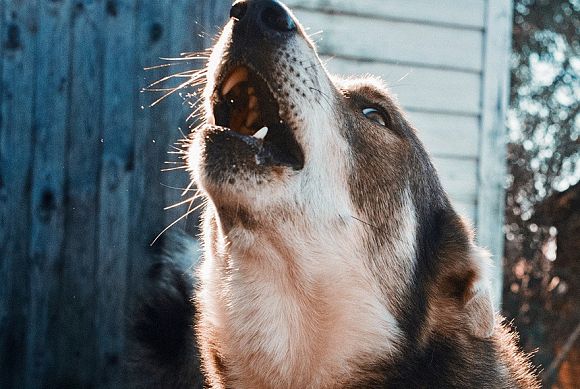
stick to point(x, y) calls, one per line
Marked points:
point(276, 18)
point(238, 10)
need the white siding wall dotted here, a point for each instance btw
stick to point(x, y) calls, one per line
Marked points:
point(447, 62)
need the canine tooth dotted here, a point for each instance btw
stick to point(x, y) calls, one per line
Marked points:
point(252, 117)
point(261, 133)
point(239, 75)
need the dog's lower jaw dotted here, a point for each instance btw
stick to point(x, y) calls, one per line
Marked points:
point(289, 311)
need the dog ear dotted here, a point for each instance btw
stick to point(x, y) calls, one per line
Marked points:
point(477, 302)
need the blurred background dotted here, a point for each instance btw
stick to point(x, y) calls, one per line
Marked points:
point(90, 157)
point(542, 219)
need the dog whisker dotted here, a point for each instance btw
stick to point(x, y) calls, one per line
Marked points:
point(175, 187)
point(174, 168)
point(186, 201)
point(189, 212)
point(188, 188)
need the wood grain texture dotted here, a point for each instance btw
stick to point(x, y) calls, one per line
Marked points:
point(468, 14)
point(491, 197)
point(398, 42)
point(17, 69)
point(118, 132)
point(151, 140)
point(51, 115)
point(76, 316)
point(186, 37)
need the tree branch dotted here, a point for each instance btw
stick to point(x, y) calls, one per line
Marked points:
point(555, 365)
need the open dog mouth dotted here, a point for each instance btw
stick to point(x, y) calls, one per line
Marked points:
point(244, 104)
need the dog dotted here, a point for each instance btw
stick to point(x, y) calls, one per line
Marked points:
point(332, 257)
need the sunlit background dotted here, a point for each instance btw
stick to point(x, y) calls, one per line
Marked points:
point(542, 220)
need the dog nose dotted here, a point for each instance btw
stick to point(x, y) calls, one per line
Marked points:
point(268, 15)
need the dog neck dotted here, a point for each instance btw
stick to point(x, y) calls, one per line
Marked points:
point(291, 301)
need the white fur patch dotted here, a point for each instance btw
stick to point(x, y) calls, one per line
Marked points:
point(303, 315)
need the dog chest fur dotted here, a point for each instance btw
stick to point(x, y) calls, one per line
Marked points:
point(291, 308)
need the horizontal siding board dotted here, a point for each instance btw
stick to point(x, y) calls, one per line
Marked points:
point(459, 177)
point(420, 88)
point(356, 37)
point(447, 135)
point(468, 13)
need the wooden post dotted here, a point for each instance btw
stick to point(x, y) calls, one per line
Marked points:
point(496, 79)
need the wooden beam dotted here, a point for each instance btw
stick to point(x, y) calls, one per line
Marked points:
point(495, 92)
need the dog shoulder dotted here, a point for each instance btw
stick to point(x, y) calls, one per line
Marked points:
point(162, 351)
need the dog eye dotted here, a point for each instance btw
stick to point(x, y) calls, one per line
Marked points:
point(375, 115)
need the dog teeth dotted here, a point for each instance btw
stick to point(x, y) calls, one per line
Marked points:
point(261, 133)
point(239, 75)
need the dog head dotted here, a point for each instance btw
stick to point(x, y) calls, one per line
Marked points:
point(288, 149)
point(283, 133)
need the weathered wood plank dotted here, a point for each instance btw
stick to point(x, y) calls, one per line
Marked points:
point(420, 88)
point(398, 42)
point(76, 345)
point(119, 103)
point(150, 142)
point(194, 25)
point(17, 69)
point(468, 13)
point(459, 177)
point(186, 37)
point(51, 101)
point(448, 135)
point(492, 168)
point(213, 16)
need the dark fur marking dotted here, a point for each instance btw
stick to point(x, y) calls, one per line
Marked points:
point(162, 349)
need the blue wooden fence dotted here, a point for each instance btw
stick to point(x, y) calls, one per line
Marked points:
point(81, 191)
